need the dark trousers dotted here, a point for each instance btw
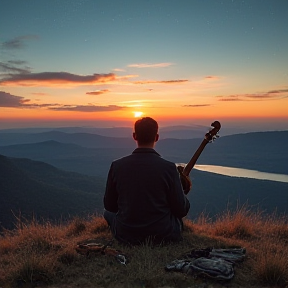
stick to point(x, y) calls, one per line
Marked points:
point(174, 236)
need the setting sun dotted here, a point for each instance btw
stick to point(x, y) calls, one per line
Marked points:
point(138, 114)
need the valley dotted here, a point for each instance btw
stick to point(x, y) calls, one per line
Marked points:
point(57, 175)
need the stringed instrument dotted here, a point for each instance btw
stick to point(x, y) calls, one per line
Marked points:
point(185, 171)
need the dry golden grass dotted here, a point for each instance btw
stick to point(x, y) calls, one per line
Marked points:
point(37, 254)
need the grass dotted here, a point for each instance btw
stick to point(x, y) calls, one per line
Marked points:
point(37, 254)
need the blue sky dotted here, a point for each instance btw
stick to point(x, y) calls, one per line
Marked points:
point(196, 56)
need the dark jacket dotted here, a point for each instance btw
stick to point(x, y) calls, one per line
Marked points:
point(146, 193)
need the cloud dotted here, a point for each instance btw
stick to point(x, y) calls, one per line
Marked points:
point(18, 42)
point(278, 91)
point(118, 70)
point(150, 65)
point(98, 92)
point(210, 77)
point(87, 108)
point(11, 67)
point(229, 98)
point(197, 105)
point(270, 95)
point(9, 100)
point(39, 94)
point(17, 62)
point(160, 82)
point(56, 78)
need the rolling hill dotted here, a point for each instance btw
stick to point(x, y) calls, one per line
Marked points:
point(83, 139)
point(263, 151)
point(70, 157)
point(180, 131)
point(36, 189)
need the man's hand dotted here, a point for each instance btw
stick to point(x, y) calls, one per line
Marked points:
point(185, 180)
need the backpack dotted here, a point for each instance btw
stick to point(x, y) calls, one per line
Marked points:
point(213, 263)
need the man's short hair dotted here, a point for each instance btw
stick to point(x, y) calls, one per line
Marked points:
point(146, 130)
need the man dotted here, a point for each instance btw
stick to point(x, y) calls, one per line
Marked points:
point(144, 199)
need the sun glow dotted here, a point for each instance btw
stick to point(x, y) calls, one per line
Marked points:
point(138, 114)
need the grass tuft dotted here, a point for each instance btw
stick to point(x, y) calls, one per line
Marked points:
point(271, 263)
point(76, 227)
point(235, 224)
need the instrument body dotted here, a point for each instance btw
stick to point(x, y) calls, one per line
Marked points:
point(185, 171)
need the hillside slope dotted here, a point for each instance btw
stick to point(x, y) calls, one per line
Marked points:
point(35, 189)
point(263, 151)
point(213, 193)
point(67, 156)
point(82, 139)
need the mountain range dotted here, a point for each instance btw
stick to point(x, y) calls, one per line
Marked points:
point(180, 131)
point(92, 154)
point(31, 187)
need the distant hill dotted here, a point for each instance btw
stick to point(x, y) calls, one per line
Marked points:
point(83, 139)
point(180, 131)
point(70, 157)
point(263, 151)
point(36, 189)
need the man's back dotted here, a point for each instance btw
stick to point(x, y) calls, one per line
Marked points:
point(145, 191)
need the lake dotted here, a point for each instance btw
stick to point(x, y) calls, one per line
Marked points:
point(239, 172)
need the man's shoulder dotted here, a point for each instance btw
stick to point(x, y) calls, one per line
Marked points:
point(148, 154)
point(168, 163)
point(122, 159)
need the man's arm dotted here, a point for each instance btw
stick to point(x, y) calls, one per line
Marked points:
point(111, 196)
point(179, 203)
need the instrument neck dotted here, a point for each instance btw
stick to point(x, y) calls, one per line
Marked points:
point(187, 169)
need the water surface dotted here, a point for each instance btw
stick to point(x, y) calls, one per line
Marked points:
point(239, 172)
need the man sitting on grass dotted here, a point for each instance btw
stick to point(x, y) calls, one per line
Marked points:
point(144, 199)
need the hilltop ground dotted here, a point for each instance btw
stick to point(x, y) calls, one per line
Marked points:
point(35, 254)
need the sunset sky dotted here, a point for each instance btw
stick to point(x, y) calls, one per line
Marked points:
point(103, 63)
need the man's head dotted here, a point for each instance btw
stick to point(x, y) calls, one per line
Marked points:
point(146, 132)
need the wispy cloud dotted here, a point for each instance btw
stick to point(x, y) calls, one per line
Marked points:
point(160, 82)
point(270, 95)
point(18, 42)
point(230, 98)
point(98, 92)
point(278, 91)
point(211, 77)
point(196, 105)
point(150, 65)
point(14, 67)
point(87, 108)
point(39, 94)
point(56, 78)
point(118, 70)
